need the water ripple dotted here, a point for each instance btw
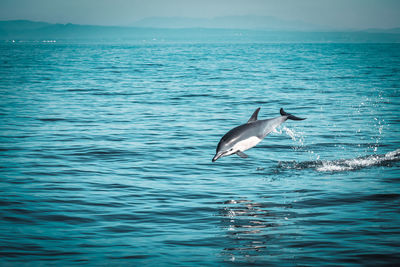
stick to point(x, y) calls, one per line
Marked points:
point(105, 154)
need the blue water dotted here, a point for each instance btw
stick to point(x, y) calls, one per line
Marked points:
point(105, 154)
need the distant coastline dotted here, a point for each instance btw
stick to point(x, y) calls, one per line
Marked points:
point(25, 30)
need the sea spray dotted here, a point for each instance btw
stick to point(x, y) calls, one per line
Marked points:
point(341, 165)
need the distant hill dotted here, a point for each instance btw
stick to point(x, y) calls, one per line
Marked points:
point(22, 30)
point(393, 30)
point(21, 25)
point(227, 22)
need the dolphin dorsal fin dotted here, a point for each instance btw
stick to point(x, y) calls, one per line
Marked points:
point(254, 116)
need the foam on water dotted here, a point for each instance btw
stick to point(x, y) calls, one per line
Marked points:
point(341, 165)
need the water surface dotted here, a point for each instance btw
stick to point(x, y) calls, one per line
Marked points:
point(105, 154)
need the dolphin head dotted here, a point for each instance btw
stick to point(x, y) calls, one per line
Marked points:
point(217, 156)
point(223, 149)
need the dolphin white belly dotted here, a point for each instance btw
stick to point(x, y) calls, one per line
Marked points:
point(246, 144)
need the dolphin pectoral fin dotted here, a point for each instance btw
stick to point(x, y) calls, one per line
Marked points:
point(241, 154)
point(254, 116)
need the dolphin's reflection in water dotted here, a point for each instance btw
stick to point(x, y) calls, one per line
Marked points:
point(250, 229)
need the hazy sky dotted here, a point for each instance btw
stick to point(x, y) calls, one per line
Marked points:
point(333, 13)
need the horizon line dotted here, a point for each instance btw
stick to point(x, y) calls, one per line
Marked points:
point(321, 28)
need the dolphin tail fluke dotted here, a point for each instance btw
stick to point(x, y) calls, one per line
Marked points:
point(290, 116)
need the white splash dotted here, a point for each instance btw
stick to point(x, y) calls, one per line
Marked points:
point(295, 136)
point(358, 163)
point(345, 164)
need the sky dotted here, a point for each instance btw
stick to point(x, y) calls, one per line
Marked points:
point(344, 14)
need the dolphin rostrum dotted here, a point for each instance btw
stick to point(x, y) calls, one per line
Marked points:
point(249, 134)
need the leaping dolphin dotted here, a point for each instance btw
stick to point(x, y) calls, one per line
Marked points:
point(248, 135)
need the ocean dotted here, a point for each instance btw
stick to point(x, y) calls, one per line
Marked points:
point(106, 148)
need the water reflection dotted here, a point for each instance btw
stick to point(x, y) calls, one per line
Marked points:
point(250, 227)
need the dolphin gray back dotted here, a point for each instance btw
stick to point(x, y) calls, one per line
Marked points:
point(248, 135)
point(243, 131)
point(254, 127)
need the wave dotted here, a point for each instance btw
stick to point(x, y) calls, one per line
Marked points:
point(345, 164)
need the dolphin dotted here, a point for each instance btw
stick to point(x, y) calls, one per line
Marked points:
point(248, 135)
